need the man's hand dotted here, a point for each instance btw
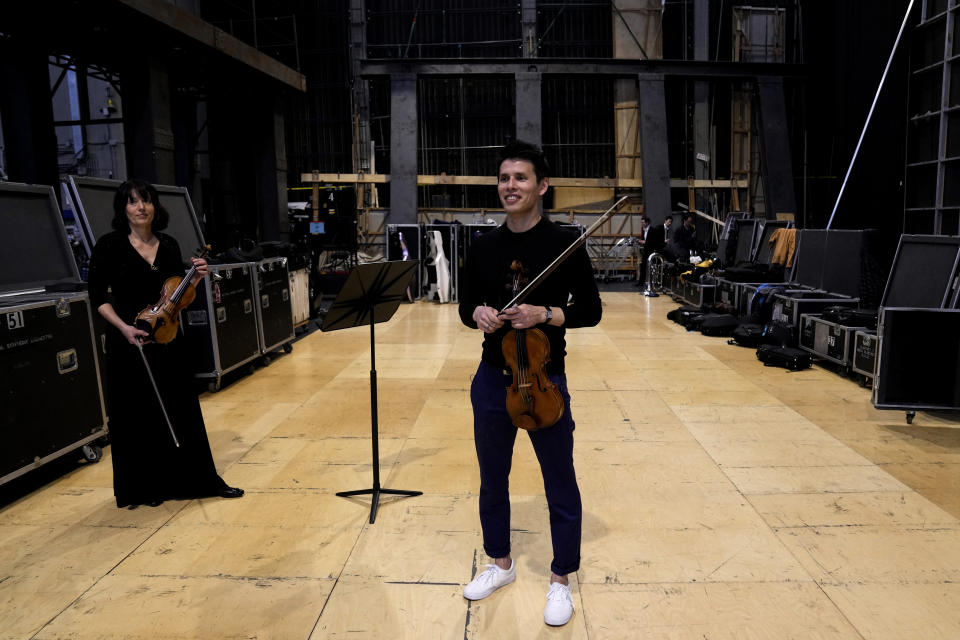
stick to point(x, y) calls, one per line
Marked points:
point(487, 319)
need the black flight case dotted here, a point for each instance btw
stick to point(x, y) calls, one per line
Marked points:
point(49, 373)
point(832, 261)
point(274, 306)
point(918, 334)
point(828, 340)
point(221, 323)
point(864, 359)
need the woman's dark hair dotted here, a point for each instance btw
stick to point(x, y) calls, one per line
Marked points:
point(520, 150)
point(147, 193)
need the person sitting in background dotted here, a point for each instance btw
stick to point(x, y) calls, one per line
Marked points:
point(683, 240)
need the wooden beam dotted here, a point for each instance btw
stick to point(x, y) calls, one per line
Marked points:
point(345, 178)
point(425, 180)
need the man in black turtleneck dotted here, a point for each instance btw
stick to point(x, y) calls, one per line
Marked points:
point(568, 298)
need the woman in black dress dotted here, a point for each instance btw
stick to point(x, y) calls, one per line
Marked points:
point(127, 270)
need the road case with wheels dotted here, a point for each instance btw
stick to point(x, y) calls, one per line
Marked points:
point(49, 374)
point(274, 305)
point(221, 323)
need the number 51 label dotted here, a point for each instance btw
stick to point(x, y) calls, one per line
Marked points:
point(15, 320)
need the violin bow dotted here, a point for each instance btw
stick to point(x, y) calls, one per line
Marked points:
point(517, 299)
point(157, 391)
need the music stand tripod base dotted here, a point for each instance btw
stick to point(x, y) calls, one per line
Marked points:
point(371, 294)
point(376, 493)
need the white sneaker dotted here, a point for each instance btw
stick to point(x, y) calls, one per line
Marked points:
point(559, 605)
point(489, 581)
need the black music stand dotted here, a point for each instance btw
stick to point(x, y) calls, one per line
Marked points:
point(370, 295)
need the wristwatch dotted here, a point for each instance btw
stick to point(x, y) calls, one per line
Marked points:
point(549, 315)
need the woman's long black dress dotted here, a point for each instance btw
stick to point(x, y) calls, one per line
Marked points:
point(147, 467)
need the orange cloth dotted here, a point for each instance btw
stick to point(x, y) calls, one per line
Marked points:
point(784, 243)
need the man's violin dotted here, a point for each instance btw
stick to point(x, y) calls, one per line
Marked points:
point(162, 320)
point(533, 400)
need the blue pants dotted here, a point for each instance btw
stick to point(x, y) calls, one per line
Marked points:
point(494, 435)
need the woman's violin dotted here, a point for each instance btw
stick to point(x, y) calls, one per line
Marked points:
point(533, 400)
point(162, 320)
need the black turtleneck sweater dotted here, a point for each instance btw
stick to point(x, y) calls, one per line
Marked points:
point(571, 287)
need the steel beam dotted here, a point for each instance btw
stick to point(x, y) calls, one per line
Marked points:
point(529, 114)
point(703, 154)
point(622, 68)
point(653, 147)
point(360, 91)
point(775, 149)
point(204, 32)
point(403, 148)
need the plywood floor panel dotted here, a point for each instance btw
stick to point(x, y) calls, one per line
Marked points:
point(722, 499)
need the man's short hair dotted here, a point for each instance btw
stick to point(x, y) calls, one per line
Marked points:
point(646, 219)
point(520, 150)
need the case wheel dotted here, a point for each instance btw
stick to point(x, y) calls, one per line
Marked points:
point(92, 452)
point(910, 416)
point(213, 387)
point(287, 347)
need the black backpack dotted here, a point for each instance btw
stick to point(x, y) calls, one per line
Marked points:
point(778, 333)
point(761, 307)
point(682, 315)
point(718, 324)
point(747, 334)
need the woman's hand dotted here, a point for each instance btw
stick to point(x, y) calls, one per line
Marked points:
point(487, 319)
point(134, 335)
point(202, 270)
point(525, 316)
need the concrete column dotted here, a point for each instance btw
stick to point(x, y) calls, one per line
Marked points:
point(272, 170)
point(234, 136)
point(148, 131)
point(403, 148)
point(28, 135)
point(653, 145)
point(529, 114)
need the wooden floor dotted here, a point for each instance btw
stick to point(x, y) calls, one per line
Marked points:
point(722, 500)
